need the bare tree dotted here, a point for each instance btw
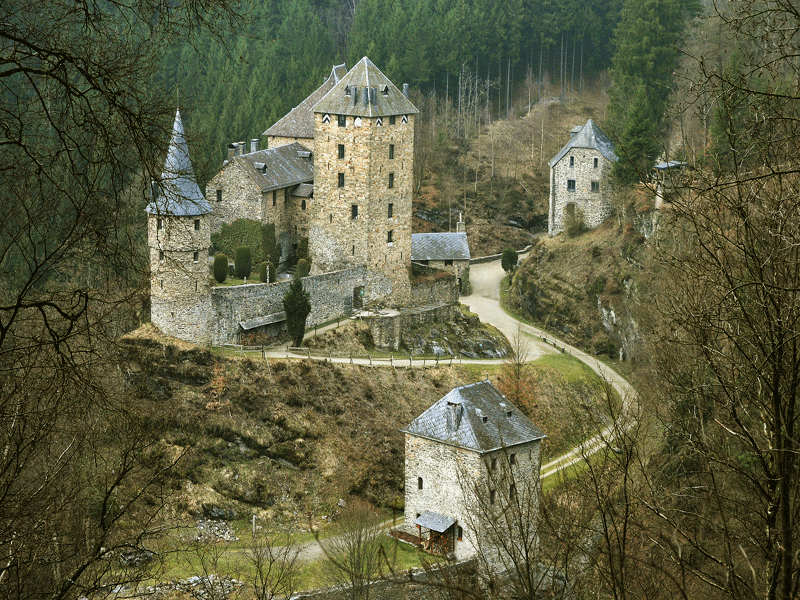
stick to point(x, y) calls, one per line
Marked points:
point(275, 569)
point(355, 551)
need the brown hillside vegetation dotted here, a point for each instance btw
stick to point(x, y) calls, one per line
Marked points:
point(500, 180)
point(288, 439)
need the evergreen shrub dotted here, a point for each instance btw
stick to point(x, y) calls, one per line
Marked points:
point(303, 268)
point(244, 262)
point(220, 268)
point(263, 271)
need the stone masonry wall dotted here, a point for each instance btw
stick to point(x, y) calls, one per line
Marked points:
point(451, 479)
point(273, 141)
point(328, 292)
point(460, 268)
point(595, 206)
point(431, 288)
point(373, 155)
point(180, 276)
point(387, 331)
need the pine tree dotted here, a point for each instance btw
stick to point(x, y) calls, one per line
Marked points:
point(297, 305)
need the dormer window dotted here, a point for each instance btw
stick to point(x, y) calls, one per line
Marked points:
point(385, 90)
point(485, 419)
point(347, 90)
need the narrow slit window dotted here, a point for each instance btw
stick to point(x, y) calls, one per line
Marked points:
point(274, 197)
point(354, 211)
point(391, 152)
point(197, 224)
point(391, 180)
point(219, 195)
point(390, 236)
point(491, 497)
point(342, 120)
point(419, 483)
point(341, 151)
point(196, 257)
point(392, 119)
point(341, 179)
point(595, 162)
point(571, 161)
point(390, 212)
point(159, 224)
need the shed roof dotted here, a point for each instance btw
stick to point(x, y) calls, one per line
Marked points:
point(476, 417)
point(261, 321)
point(434, 521)
point(178, 193)
point(279, 167)
point(304, 190)
point(350, 96)
point(439, 246)
point(589, 136)
point(299, 122)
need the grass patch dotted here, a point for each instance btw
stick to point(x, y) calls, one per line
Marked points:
point(573, 369)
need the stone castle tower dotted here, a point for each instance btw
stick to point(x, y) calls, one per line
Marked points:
point(178, 237)
point(363, 175)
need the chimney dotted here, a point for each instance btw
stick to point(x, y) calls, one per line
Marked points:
point(254, 145)
point(232, 150)
point(405, 90)
point(453, 416)
point(242, 146)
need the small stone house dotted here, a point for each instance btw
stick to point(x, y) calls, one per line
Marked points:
point(670, 179)
point(580, 176)
point(447, 251)
point(466, 457)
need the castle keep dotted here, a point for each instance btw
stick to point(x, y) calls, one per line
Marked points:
point(347, 188)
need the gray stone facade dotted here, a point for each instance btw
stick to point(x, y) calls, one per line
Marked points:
point(461, 457)
point(580, 180)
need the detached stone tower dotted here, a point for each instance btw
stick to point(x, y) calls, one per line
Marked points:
point(178, 237)
point(363, 174)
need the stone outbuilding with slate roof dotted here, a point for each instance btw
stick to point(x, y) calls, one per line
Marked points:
point(179, 237)
point(466, 458)
point(447, 251)
point(580, 179)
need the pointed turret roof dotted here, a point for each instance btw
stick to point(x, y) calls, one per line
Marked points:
point(177, 193)
point(476, 417)
point(588, 136)
point(365, 92)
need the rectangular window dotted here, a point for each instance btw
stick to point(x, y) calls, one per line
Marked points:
point(595, 163)
point(341, 179)
point(491, 496)
point(512, 459)
point(196, 256)
point(160, 255)
point(494, 464)
point(341, 151)
point(448, 262)
point(342, 120)
point(274, 197)
point(460, 533)
point(570, 185)
point(354, 211)
point(390, 237)
point(303, 205)
point(197, 224)
point(391, 151)
point(390, 212)
point(392, 120)
point(159, 224)
point(571, 161)
point(391, 180)
point(219, 195)
point(595, 186)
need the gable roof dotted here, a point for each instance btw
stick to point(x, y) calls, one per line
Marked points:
point(278, 167)
point(439, 246)
point(476, 417)
point(589, 136)
point(299, 123)
point(178, 193)
point(350, 96)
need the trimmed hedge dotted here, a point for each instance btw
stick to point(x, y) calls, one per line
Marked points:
point(220, 268)
point(243, 262)
point(303, 268)
point(263, 272)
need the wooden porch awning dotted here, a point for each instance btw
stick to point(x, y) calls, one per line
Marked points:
point(259, 321)
point(434, 521)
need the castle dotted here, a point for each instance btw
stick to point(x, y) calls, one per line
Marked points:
point(347, 188)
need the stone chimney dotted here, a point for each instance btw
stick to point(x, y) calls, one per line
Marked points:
point(254, 145)
point(232, 148)
point(454, 411)
point(405, 90)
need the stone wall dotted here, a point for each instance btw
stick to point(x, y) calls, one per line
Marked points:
point(460, 268)
point(273, 141)
point(433, 286)
point(344, 236)
point(387, 330)
point(594, 206)
point(330, 293)
point(180, 276)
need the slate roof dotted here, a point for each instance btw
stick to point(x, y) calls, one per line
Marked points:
point(475, 417)
point(178, 193)
point(279, 167)
point(350, 97)
point(590, 136)
point(670, 165)
point(304, 190)
point(434, 521)
point(299, 123)
point(439, 246)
